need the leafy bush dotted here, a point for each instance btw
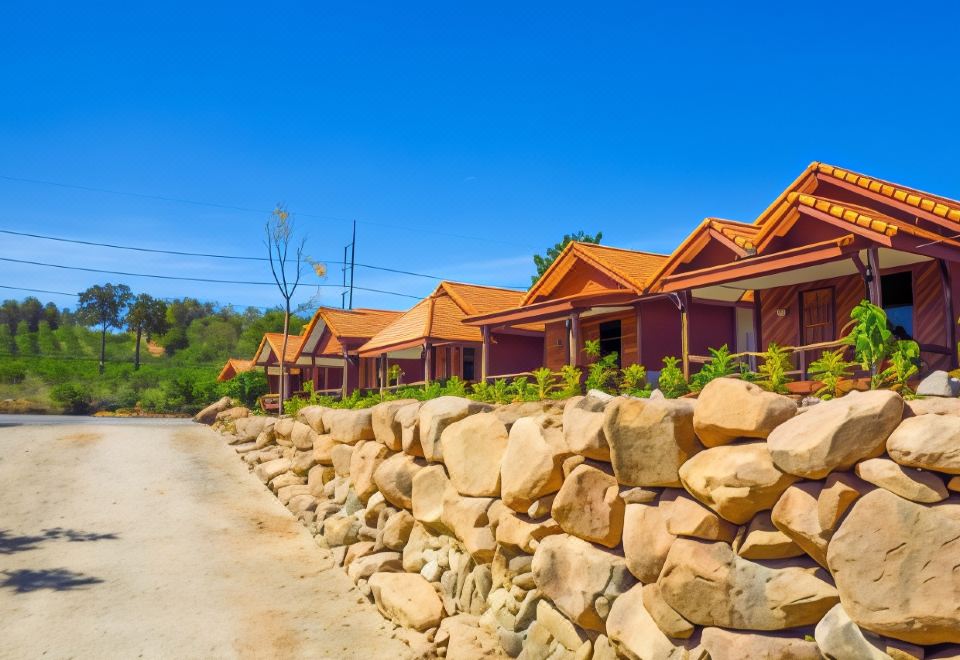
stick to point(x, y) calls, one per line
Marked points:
point(501, 391)
point(773, 372)
point(247, 387)
point(671, 382)
point(545, 383)
point(904, 364)
point(871, 339)
point(633, 381)
point(73, 399)
point(455, 386)
point(830, 369)
point(720, 364)
point(571, 377)
point(602, 372)
point(522, 389)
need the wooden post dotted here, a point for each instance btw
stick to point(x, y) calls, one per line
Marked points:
point(873, 264)
point(948, 309)
point(427, 363)
point(346, 374)
point(574, 339)
point(639, 334)
point(685, 341)
point(757, 327)
point(383, 371)
point(485, 355)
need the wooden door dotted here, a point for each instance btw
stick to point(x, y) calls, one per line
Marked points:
point(816, 321)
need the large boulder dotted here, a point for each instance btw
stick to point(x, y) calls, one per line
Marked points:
point(895, 565)
point(914, 485)
point(323, 446)
point(575, 575)
point(730, 645)
point(649, 440)
point(409, 419)
point(589, 506)
point(636, 634)
point(834, 435)
point(687, 517)
point(394, 478)
point(407, 599)
point(396, 531)
point(367, 456)
point(386, 428)
point(939, 383)
point(667, 619)
point(270, 470)
point(736, 481)
point(796, 515)
point(646, 539)
point(532, 466)
point(518, 531)
point(839, 638)
point(249, 428)
point(763, 540)
point(437, 414)
point(349, 426)
point(312, 416)
point(209, 414)
point(931, 442)
point(302, 436)
point(472, 451)
point(730, 408)
point(583, 427)
point(709, 585)
point(438, 506)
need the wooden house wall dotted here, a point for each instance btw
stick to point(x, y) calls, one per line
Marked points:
point(555, 345)
point(590, 331)
point(582, 278)
point(514, 354)
point(710, 326)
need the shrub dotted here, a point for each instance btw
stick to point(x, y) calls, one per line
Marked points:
point(904, 364)
point(773, 372)
point(247, 387)
point(871, 339)
point(602, 372)
point(544, 383)
point(521, 388)
point(571, 377)
point(633, 381)
point(720, 364)
point(455, 386)
point(73, 399)
point(830, 369)
point(671, 382)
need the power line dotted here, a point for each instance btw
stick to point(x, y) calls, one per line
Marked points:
point(204, 280)
point(244, 209)
point(57, 293)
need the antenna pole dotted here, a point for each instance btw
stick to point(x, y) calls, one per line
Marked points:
point(353, 253)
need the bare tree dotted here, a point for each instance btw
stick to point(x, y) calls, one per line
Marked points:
point(287, 270)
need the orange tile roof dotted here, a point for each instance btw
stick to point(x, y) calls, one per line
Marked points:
point(630, 267)
point(440, 316)
point(275, 342)
point(741, 233)
point(233, 367)
point(360, 323)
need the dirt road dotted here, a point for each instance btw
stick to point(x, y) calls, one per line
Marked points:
point(153, 540)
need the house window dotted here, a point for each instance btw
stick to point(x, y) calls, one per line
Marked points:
point(897, 294)
point(610, 339)
point(469, 363)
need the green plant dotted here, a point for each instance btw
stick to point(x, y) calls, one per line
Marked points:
point(830, 369)
point(904, 361)
point(394, 374)
point(671, 381)
point(773, 372)
point(720, 364)
point(247, 387)
point(293, 406)
point(501, 391)
point(633, 380)
point(602, 372)
point(74, 399)
point(521, 388)
point(455, 386)
point(545, 383)
point(571, 376)
point(482, 391)
point(871, 339)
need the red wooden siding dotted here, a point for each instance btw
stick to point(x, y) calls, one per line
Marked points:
point(929, 314)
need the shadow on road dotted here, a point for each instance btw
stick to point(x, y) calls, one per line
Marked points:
point(11, 543)
point(25, 580)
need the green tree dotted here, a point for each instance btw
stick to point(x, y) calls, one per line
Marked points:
point(543, 261)
point(10, 315)
point(146, 316)
point(31, 311)
point(7, 345)
point(46, 340)
point(51, 315)
point(104, 306)
point(26, 340)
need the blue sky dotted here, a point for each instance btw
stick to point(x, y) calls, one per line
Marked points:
point(462, 136)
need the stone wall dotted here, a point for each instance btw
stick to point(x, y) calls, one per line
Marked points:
point(736, 525)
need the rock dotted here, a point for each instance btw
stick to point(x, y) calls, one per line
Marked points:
point(397, 530)
point(839, 637)
point(394, 478)
point(386, 428)
point(764, 541)
point(633, 630)
point(283, 427)
point(933, 406)
point(954, 484)
point(839, 493)
point(639, 496)
point(428, 494)
point(323, 446)
point(583, 427)
point(267, 472)
point(302, 463)
point(349, 426)
point(939, 383)
point(589, 506)
point(249, 428)
point(312, 416)
point(730, 645)
point(667, 619)
point(472, 449)
point(541, 507)
point(559, 626)
point(736, 481)
point(209, 414)
point(709, 585)
point(438, 505)
point(797, 516)
point(379, 562)
point(340, 457)
point(465, 639)
point(911, 484)
point(931, 442)
point(515, 531)
point(730, 408)
point(894, 562)
point(367, 456)
point(409, 419)
point(287, 493)
point(646, 540)
point(341, 530)
point(406, 599)
point(835, 434)
point(574, 575)
point(687, 517)
point(531, 466)
point(300, 504)
point(317, 478)
point(437, 414)
point(286, 479)
point(649, 440)
point(302, 436)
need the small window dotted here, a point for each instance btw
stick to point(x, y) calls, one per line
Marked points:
point(897, 293)
point(469, 362)
point(610, 339)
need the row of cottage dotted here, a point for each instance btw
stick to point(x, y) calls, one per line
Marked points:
point(792, 276)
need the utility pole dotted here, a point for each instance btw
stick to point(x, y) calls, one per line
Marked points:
point(346, 298)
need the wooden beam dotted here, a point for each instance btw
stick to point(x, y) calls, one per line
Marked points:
point(723, 240)
point(685, 342)
point(951, 325)
point(427, 362)
point(873, 277)
point(383, 372)
point(574, 338)
point(639, 331)
point(346, 374)
point(485, 355)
